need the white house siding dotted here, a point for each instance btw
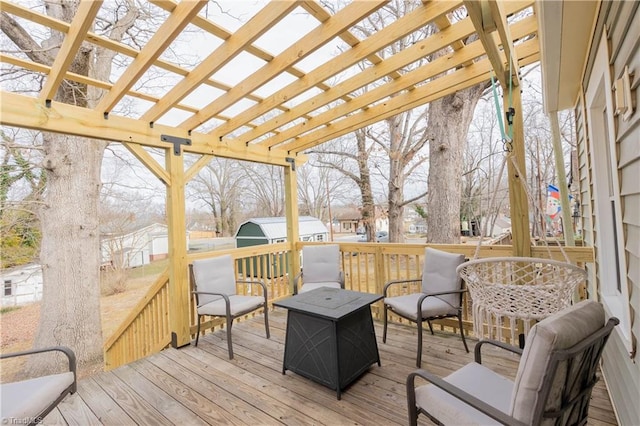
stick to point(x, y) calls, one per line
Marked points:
point(26, 285)
point(622, 373)
point(137, 248)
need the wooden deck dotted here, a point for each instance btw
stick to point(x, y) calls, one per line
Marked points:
point(192, 386)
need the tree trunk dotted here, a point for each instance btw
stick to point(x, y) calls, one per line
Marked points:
point(70, 253)
point(70, 247)
point(364, 184)
point(449, 120)
point(396, 178)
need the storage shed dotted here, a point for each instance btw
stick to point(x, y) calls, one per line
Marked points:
point(272, 230)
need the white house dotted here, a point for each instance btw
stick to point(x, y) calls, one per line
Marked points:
point(136, 248)
point(21, 285)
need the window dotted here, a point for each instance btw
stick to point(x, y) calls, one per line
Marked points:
point(319, 237)
point(8, 288)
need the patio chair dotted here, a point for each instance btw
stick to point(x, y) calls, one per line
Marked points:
point(29, 401)
point(441, 295)
point(553, 384)
point(320, 268)
point(214, 282)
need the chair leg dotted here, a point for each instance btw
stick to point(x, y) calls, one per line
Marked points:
point(430, 326)
point(384, 328)
point(462, 333)
point(419, 355)
point(411, 401)
point(229, 343)
point(266, 320)
point(198, 332)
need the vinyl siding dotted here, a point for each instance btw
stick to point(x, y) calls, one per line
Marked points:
point(622, 20)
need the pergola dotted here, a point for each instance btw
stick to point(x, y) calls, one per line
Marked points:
point(306, 108)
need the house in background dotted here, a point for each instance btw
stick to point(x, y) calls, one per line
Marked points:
point(21, 285)
point(349, 219)
point(136, 248)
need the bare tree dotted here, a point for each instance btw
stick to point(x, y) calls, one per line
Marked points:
point(219, 186)
point(407, 135)
point(340, 156)
point(319, 187)
point(69, 218)
point(264, 189)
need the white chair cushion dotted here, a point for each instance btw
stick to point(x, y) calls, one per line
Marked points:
point(313, 286)
point(321, 264)
point(238, 305)
point(559, 331)
point(478, 381)
point(28, 398)
point(431, 306)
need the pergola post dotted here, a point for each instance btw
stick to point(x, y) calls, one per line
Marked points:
point(518, 203)
point(565, 206)
point(178, 281)
point(291, 207)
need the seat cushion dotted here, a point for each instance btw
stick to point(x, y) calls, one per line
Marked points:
point(29, 398)
point(478, 381)
point(560, 331)
point(431, 306)
point(238, 305)
point(313, 286)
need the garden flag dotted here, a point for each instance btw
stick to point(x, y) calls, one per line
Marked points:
point(553, 202)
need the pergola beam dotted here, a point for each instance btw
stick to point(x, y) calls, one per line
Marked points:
point(487, 17)
point(368, 75)
point(121, 48)
point(27, 112)
point(362, 50)
point(451, 83)
point(312, 41)
point(232, 47)
point(82, 22)
point(167, 32)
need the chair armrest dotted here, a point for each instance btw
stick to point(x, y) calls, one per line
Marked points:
point(458, 393)
point(440, 293)
point(256, 281)
point(394, 282)
point(210, 293)
point(478, 348)
point(71, 356)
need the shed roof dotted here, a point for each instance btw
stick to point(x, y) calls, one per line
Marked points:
point(276, 227)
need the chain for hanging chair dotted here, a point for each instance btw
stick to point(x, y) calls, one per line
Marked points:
point(508, 289)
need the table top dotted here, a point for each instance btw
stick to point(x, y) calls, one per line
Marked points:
point(327, 302)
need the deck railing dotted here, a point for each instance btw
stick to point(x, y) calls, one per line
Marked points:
point(367, 267)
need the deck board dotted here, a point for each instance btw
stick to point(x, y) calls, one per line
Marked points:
point(202, 386)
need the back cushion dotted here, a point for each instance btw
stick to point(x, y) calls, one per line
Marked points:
point(439, 273)
point(321, 263)
point(559, 331)
point(215, 275)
